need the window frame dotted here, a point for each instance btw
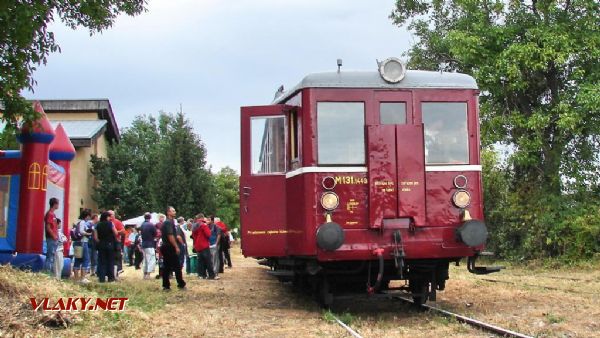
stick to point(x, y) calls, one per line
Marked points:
point(284, 146)
point(466, 135)
point(364, 136)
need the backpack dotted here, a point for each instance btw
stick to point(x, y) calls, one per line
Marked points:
point(75, 234)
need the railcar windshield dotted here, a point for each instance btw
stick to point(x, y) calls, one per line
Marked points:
point(268, 145)
point(392, 112)
point(446, 135)
point(341, 133)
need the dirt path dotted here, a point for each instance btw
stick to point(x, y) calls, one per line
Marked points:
point(246, 302)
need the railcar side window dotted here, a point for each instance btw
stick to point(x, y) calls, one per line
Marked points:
point(341, 132)
point(293, 128)
point(392, 113)
point(268, 145)
point(446, 135)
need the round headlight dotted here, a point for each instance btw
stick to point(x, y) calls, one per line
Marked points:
point(328, 182)
point(392, 70)
point(330, 200)
point(460, 181)
point(461, 198)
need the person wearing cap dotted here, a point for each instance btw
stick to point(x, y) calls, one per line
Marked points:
point(119, 243)
point(148, 231)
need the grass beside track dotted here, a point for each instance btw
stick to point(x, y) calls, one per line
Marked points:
point(247, 302)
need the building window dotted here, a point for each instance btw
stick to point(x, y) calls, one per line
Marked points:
point(341, 133)
point(446, 135)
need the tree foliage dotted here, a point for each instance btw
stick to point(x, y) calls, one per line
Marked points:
point(537, 64)
point(8, 139)
point(227, 196)
point(26, 41)
point(161, 162)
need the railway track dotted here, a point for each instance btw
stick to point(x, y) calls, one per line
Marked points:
point(490, 280)
point(346, 327)
point(502, 332)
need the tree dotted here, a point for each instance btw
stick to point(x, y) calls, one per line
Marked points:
point(537, 64)
point(122, 177)
point(179, 177)
point(26, 42)
point(227, 196)
point(158, 162)
point(8, 139)
point(538, 67)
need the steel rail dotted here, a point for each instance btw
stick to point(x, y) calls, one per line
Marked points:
point(471, 321)
point(477, 323)
point(536, 286)
point(348, 328)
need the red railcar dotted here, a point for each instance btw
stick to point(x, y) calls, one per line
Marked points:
point(360, 178)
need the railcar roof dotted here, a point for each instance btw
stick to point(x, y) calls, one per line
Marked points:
point(372, 79)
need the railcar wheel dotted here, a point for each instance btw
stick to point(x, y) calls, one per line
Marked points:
point(324, 294)
point(419, 290)
point(301, 284)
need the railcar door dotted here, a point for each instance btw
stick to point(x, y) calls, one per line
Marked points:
point(262, 180)
point(396, 162)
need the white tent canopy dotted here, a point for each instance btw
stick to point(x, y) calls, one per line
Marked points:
point(140, 219)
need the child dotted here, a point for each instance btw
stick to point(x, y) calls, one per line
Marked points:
point(58, 254)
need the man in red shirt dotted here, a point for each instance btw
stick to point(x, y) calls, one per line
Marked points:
point(223, 245)
point(119, 244)
point(51, 228)
point(201, 234)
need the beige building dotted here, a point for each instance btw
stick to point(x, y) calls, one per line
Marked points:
point(91, 127)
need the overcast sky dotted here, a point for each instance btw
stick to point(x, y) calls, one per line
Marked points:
point(213, 57)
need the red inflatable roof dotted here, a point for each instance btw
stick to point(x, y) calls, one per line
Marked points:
point(61, 143)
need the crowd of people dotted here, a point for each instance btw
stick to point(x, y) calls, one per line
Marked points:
point(100, 244)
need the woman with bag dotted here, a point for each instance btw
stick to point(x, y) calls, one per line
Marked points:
point(81, 236)
point(105, 236)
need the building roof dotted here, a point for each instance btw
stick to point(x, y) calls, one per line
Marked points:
point(372, 79)
point(100, 106)
point(81, 133)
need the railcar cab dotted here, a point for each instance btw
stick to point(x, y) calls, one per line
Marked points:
point(349, 167)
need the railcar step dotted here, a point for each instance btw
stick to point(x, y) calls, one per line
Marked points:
point(281, 273)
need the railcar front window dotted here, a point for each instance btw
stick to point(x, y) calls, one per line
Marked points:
point(341, 133)
point(446, 135)
point(268, 145)
point(392, 113)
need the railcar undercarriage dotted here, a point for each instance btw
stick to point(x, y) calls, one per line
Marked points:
point(329, 280)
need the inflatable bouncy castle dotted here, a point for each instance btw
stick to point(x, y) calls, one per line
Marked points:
point(28, 179)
